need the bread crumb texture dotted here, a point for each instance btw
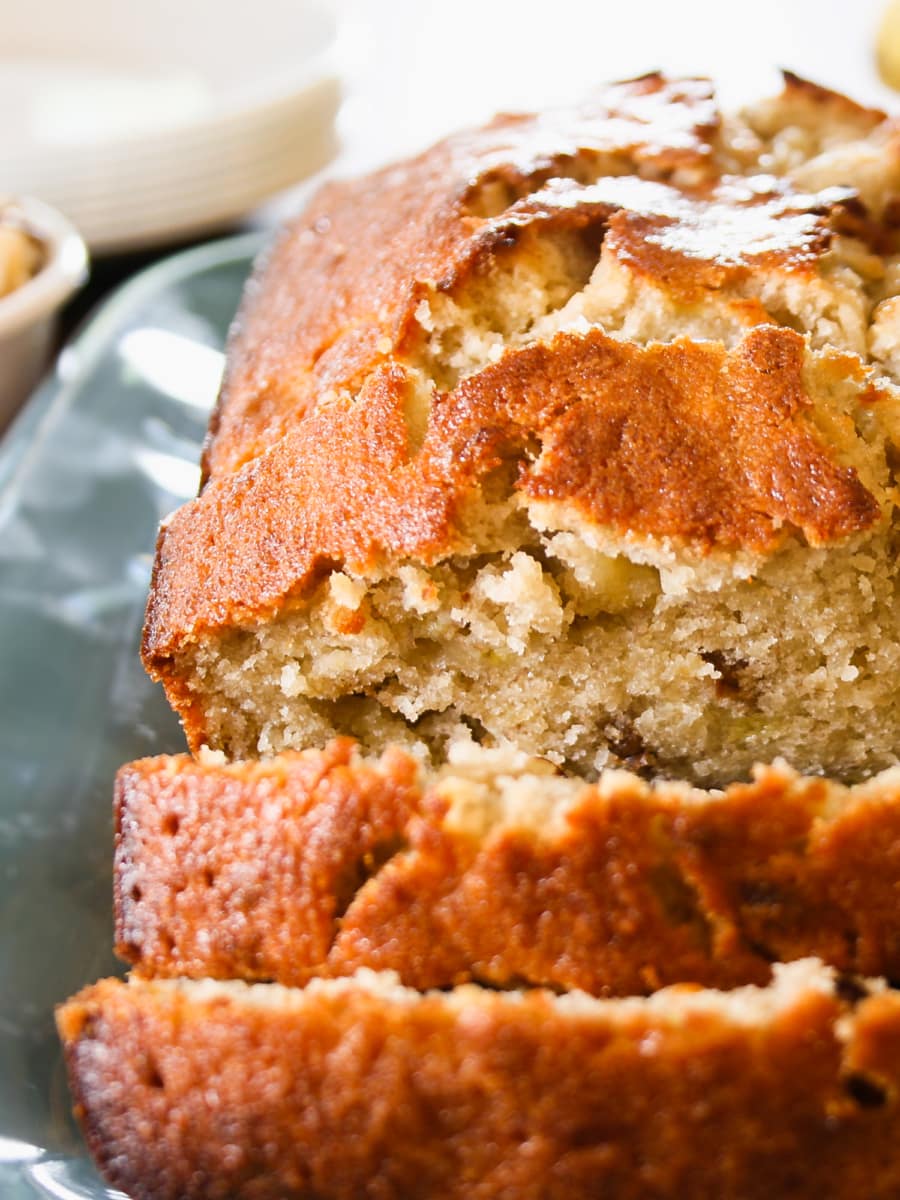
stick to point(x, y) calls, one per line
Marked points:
point(587, 447)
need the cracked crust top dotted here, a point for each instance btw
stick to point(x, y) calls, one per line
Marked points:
point(337, 294)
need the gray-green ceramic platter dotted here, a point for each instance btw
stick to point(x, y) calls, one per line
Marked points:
point(106, 448)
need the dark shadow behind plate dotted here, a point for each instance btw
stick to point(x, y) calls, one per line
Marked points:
point(101, 454)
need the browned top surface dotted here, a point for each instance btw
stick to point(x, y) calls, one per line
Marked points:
point(344, 276)
point(694, 241)
point(336, 295)
point(318, 864)
point(689, 240)
point(341, 1097)
point(680, 439)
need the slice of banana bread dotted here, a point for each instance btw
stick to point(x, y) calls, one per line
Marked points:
point(360, 1087)
point(494, 869)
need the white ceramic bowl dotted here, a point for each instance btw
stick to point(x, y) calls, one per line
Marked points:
point(150, 122)
point(28, 314)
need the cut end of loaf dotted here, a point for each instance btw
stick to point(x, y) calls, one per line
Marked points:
point(587, 659)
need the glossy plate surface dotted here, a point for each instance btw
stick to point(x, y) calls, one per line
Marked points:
point(107, 448)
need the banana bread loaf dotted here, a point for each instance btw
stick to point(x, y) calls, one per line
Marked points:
point(577, 432)
point(569, 445)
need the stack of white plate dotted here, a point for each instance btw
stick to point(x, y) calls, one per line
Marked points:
point(146, 122)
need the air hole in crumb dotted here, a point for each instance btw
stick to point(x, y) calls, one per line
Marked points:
point(136, 893)
point(626, 743)
point(166, 941)
point(171, 824)
point(152, 1077)
point(630, 749)
point(865, 1091)
point(679, 901)
point(729, 684)
point(475, 727)
point(209, 877)
point(355, 874)
point(849, 989)
point(860, 658)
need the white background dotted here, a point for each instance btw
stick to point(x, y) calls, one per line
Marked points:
point(419, 69)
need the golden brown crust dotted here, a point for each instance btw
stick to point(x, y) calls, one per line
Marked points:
point(231, 870)
point(318, 864)
point(326, 307)
point(688, 240)
point(335, 1097)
